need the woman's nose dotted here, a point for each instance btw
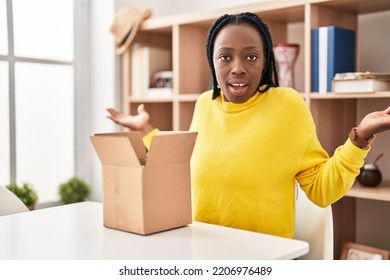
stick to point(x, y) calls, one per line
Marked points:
point(238, 67)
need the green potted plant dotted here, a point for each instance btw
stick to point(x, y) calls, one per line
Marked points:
point(74, 190)
point(25, 193)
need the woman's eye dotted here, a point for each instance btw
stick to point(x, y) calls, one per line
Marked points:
point(251, 57)
point(224, 57)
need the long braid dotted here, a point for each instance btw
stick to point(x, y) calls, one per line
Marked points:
point(269, 75)
point(213, 31)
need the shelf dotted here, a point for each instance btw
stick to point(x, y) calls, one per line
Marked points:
point(151, 100)
point(357, 6)
point(381, 94)
point(188, 97)
point(282, 10)
point(381, 192)
point(192, 97)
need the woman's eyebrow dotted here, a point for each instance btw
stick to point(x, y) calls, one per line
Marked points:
point(231, 48)
point(224, 49)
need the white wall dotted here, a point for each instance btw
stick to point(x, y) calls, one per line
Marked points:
point(102, 75)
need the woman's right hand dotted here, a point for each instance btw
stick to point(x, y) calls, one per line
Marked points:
point(139, 122)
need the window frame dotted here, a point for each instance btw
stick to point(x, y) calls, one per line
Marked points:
point(80, 64)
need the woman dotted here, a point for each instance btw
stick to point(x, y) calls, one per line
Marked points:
point(256, 139)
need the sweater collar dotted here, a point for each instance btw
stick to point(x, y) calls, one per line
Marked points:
point(230, 107)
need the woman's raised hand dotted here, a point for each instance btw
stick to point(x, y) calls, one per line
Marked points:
point(374, 123)
point(139, 122)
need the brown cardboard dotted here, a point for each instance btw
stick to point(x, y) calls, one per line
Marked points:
point(146, 198)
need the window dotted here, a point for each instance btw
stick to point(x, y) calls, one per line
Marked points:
point(4, 124)
point(43, 29)
point(44, 125)
point(37, 98)
point(3, 28)
point(4, 98)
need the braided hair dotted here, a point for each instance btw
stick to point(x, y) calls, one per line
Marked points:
point(269, 75)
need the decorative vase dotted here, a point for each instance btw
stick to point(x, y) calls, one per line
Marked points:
point(370, 174)
point(285, 57)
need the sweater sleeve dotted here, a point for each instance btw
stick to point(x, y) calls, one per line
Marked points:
point(148, 138)
point(325, 180)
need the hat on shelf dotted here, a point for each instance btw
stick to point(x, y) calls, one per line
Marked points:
point(125, 26)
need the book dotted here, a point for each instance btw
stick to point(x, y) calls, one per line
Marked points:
point(361, 76)
point(333, 52)
point(145, 61)
point(360, 82)
point(314, 60)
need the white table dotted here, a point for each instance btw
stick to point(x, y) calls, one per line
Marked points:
point(76, 231)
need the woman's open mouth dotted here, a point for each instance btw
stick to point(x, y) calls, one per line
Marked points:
point(238, 88)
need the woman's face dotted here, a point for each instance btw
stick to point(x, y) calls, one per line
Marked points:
point(238, 61)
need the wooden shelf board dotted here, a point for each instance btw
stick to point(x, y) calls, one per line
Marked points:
point(381, 192)
point(357, 6)
point(379, 94)
point(283, 10)
point(188, 97)
point(151, 100)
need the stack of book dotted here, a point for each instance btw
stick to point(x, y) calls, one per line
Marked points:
point(333, 51)
point(147, 62)
point(360, 82)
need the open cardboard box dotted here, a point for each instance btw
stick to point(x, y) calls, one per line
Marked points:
point(145, 192)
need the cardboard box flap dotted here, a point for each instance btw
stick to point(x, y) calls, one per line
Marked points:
point(123, 148)
point(135, 139)
point(171, 147)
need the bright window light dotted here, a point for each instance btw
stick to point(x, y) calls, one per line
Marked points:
point(4, 125)
point(3, 28)
point(43, 29)
point(44, 126)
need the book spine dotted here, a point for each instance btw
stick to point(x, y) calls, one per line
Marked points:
point(336, 54)
point(314, 60)
point(322, 59)
point(135, 71)
point(341, 52)
point(146, 71)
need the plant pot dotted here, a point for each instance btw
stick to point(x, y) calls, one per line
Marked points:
point(31, 207)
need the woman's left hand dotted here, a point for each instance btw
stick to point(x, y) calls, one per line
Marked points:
point(374, 123)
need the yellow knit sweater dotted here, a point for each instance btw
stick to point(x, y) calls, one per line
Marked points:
point(247, 157)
